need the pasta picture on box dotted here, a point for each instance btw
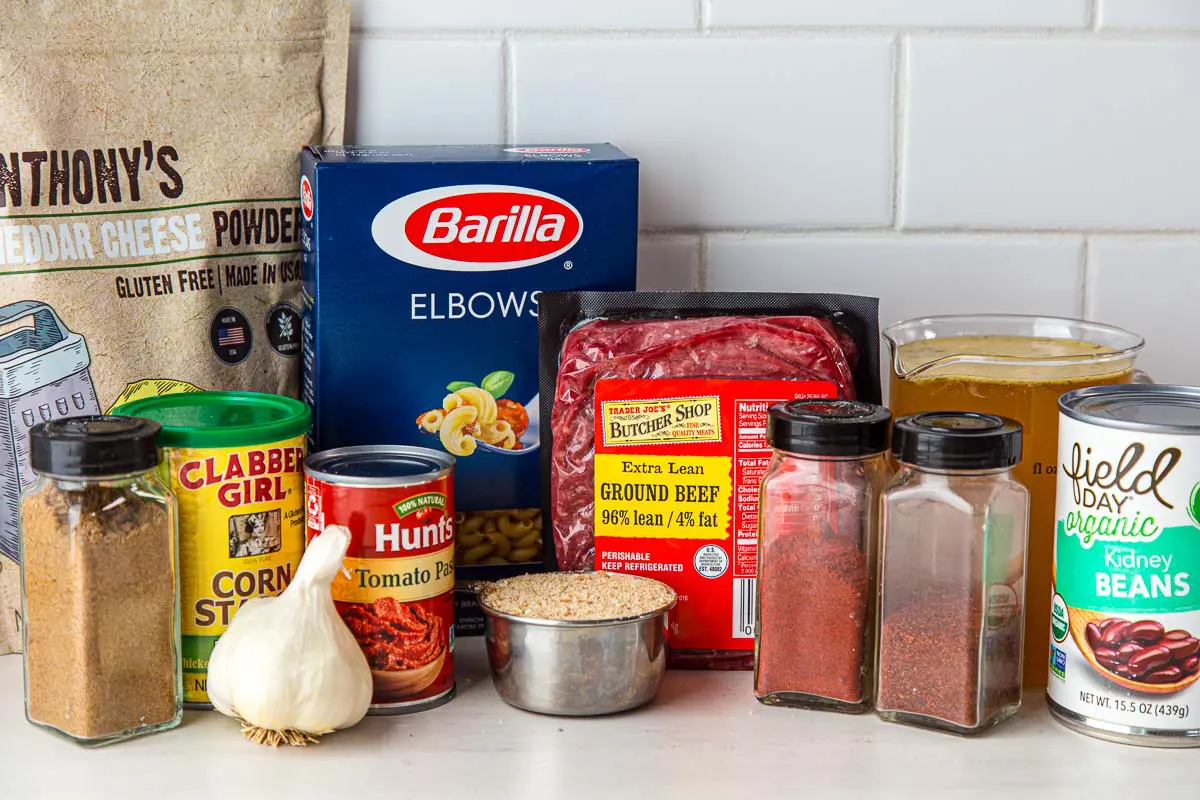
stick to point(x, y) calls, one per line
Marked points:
point(478, 417)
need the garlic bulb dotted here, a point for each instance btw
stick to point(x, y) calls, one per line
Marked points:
point(288, 666)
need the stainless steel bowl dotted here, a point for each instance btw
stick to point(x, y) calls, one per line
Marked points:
point(577, 668)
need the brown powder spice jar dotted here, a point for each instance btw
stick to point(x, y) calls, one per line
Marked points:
point(100, 593)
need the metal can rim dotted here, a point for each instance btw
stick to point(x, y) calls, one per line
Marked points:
point(442, 464)
point(1069, 405)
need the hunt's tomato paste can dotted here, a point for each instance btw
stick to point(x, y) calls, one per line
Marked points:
point(397, 591)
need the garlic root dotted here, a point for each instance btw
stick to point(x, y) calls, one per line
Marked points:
point(295, 738)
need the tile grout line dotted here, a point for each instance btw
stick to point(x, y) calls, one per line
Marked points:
point(704, 20)
point(701, 277)
point(964, 232)
point(1094, 10)
point(800, 33)
point(1086, 301)
point(508, 112)
point(899, 118)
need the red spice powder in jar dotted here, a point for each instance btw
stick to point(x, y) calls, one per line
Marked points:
point(814, 611)
point(954, 521)
point(817, 534)
point(929, 655)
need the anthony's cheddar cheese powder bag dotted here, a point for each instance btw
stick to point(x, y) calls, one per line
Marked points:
point(149, 220)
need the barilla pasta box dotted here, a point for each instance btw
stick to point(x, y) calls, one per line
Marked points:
point(422, 271)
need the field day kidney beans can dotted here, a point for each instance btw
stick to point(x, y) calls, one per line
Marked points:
point(1125, 613)
point(397, 591)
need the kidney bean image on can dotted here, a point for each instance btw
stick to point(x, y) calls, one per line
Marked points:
point(1125, 610)
point(397, 592)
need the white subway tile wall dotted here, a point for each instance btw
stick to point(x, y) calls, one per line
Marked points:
point(1150, 285)
point(1162, 15)
point(933, 13)
point(740, 133)
point(394, 101)
point(675, 260)
point(913, 275)
point(1029, 156)
point(1051, 134)
point(419, 15)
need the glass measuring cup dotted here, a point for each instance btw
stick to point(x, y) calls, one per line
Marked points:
point(1013, 366)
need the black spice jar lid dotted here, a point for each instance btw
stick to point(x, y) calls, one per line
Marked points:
point(957, 440)
point(93, 446)
point(829, 427)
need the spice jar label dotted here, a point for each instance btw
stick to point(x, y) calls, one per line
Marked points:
point(1126, 604)
point(677, 470)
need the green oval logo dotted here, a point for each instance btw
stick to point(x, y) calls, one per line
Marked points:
point(1060, 619)
point(1194, 505)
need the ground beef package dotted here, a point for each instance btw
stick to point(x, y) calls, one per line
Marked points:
point(656, 446)
point(149, 212)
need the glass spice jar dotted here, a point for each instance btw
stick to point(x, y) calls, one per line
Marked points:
point(99, 582)
point(952, 578)
point(817, 538)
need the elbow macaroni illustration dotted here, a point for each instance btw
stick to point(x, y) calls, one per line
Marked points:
point(478, 399)
point(430, 421)
point(453, 431)
point(499, 434)
point(471, 415)
point(507, 536)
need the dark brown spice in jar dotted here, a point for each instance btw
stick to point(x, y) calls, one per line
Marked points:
point(100, 595)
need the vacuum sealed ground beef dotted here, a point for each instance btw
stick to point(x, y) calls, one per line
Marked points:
point(657, 405)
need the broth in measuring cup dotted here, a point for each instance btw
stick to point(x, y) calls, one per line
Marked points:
point(1020, 377)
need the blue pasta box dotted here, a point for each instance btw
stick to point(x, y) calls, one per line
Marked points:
point(422, 271)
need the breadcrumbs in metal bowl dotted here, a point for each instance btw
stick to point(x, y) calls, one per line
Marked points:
point(577, 596)
point(576, 644)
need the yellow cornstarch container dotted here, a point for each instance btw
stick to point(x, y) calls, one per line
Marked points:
point(235, 463)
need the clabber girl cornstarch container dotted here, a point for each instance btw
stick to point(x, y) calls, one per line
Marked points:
point(235, 462)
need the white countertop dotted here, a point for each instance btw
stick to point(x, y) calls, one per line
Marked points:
point(704, 736)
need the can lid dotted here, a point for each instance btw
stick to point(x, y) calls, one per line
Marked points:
point(1137, 407)
point(829, 427)
point(93, 446)
point(378, 465)
point(957, 440)
point(221, 419)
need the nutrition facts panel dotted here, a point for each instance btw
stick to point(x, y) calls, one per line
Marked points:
point(751, 456)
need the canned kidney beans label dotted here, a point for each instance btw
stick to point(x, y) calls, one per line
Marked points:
point(1126, 602)
point(398, 600)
